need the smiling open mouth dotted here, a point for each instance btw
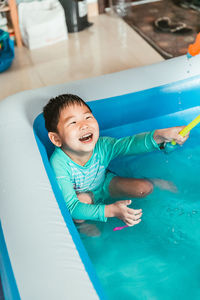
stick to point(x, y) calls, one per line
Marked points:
point(86, 138)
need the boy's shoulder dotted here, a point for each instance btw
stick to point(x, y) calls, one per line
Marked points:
point(60, 163)
point(58, 156)
point(105, 141)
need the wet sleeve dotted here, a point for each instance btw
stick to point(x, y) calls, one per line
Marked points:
point(78, 210)
point(132, 145)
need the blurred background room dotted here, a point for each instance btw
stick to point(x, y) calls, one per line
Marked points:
point(53, 42)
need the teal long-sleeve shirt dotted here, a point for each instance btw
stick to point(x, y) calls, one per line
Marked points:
point(73, 178)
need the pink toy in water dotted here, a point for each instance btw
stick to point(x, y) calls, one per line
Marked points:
point(119, 228)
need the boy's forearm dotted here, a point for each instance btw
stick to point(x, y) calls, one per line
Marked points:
point(83, 211)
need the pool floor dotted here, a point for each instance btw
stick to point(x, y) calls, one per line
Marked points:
point(160, 257)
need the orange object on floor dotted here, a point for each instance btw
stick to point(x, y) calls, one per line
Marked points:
point(194, 49)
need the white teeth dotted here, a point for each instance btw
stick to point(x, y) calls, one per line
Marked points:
point(86, 135)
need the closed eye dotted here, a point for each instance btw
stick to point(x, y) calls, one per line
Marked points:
point(88, 117)
point(72, 123)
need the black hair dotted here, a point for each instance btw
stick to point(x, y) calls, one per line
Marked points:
point(53, 108)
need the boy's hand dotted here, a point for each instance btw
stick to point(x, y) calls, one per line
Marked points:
point(169, 134)
point(120, 210)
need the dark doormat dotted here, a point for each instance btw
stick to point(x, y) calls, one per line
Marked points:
point(176, 29)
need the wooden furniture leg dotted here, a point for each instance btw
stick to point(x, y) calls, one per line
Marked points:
point(15, 22)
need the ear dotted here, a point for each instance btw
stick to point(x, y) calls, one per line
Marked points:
point(55, 139)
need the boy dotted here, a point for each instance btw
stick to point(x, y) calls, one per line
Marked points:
point(81, 158)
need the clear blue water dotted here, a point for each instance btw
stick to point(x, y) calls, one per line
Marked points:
point(159, 259)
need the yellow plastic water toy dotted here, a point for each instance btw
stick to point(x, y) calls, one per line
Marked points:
point(171, 146)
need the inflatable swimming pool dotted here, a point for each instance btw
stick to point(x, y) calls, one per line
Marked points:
point(42, 255)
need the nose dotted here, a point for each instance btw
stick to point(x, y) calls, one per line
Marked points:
point(83, 125)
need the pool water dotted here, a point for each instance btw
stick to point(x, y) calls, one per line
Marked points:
point(158, 259)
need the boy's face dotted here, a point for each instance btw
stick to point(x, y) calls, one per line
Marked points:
point(78, 131)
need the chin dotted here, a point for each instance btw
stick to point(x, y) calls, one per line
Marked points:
point(89, 148)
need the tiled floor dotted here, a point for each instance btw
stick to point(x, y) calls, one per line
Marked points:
point(110, 45)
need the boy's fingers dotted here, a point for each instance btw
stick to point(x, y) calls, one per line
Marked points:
point(132, 222)
point(126, 202)
point(129, 222)
point(129, 202)
point(137, 211)
point(134, 211)
point(174, 135)
point(179, 128)
point(134, 217)
point(137, 222)
point(180, 140)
